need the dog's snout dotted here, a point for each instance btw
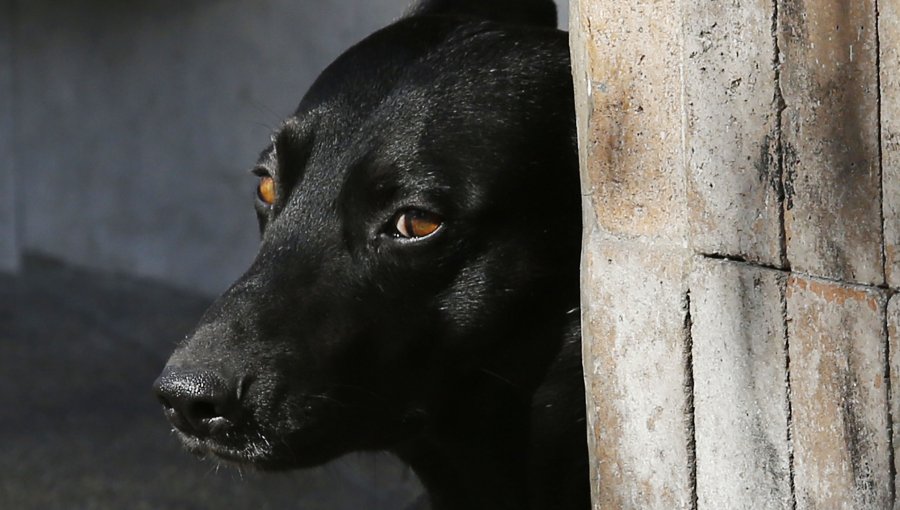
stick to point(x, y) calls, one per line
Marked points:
point(199, 403)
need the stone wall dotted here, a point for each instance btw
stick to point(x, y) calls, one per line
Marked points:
point(741, 180)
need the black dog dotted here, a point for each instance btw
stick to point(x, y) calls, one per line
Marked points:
point(416, 288)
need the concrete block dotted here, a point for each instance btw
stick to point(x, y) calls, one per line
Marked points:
point(889, 33)
point(9, 245)
point(634, 318)
point(628, 64)
point(839, 395)
point(893, 321)
point(740, 386)
point(830, 125)
point(732, 138)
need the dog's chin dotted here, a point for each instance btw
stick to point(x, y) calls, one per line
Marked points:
point(259, 453)
point(255, 454)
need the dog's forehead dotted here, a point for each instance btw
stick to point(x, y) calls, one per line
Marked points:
point(419, 96)
point(326, 145)
point(419, 66)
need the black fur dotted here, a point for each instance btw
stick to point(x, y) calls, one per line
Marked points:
point(524, 12)
point(459, 351)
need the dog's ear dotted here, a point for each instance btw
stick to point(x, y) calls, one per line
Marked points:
point(521, 12)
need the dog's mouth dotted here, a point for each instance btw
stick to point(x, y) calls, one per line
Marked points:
point(279, 428)
point(241, 450)
point(247, 444)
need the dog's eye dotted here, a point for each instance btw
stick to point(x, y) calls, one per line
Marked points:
point(414, 223)
point(266, 190)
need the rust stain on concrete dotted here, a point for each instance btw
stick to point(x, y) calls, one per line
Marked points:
point(890, 253)
point(893, 318)
point(610, 469)
point(838, 395)
point(832, 292)
point(634, 141)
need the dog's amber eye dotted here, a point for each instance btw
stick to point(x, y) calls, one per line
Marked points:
point(266, 190)
point(414, 224)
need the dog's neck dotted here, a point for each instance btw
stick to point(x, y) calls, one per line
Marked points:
point(475, 459)
point(501, 447)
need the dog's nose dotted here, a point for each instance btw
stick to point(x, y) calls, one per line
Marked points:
point(199, 403)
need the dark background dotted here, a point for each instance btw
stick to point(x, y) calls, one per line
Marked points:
point(126, 132)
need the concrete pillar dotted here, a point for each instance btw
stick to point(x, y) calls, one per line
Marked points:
point(636, 303)
point(741, 182)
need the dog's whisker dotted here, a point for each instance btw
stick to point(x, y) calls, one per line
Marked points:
point(263, 125)
point(328, 399)
point(213, 469)
point(263, 108)
point(291, 452)
point(499, 377)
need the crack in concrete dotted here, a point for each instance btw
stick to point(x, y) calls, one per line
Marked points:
point(737, 259)
point(884, 260)
point(780, 107)
point(789, 409)
point(879, 141)
point(890, 415)
point(689, 399)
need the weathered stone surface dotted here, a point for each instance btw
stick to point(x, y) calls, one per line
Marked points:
point(830, 125)
point(634, 317)
point(731, 103)
point(740, 386)
point(9, 249)
point(889, 32)
point(838, 395)
point(893, 321)
point(628, 65)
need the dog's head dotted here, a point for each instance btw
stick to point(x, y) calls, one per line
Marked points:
point(420, 228)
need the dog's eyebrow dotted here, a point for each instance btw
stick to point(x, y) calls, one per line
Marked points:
point(266, 156)
point(290, 149)
point(292, 133)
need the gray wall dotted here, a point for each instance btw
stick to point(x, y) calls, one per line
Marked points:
point(8, 237)
point(132, 124)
